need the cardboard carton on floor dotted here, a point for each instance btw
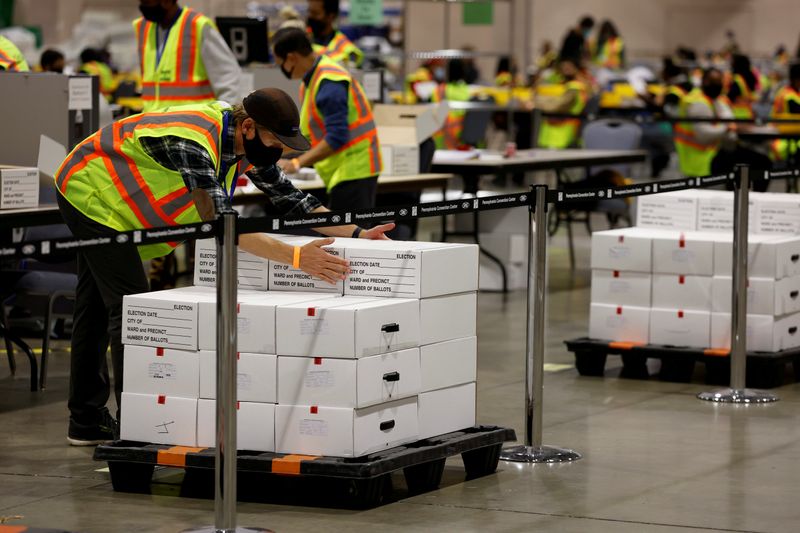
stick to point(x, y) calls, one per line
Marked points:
point(768, 256)
point(255, 319)
point(618, 323)
point(449, 363)
point(446, 410)
point(151, 370)
point(345, 432)
point(688, 253)
point(626, 249)
point(159, 419)
point(349, 327)
point(164, 319)
point(677, 327)
point(349, 382)
point(676, 291)
point(257, 376)
point(620, 287)
point(765, 296)
point(283, 277)
point(448, 317)
point(19, 187)
point(255, 425)
point(251, 269)
point(764, 333)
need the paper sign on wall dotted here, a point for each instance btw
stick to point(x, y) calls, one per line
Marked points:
point(80, 93)
point(366, 12)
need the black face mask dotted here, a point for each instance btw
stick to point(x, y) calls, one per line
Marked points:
point(153, 13)
point(712, 91)
point(317, 26)
point(259, 154)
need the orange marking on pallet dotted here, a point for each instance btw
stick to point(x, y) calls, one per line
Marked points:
point(175, 456)
point(290, 465)
point(624, 345)
point(717, 352)
point(13, 529)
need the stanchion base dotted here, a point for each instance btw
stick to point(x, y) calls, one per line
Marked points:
point(212, 529)
point(745, 396)
point(542, 454)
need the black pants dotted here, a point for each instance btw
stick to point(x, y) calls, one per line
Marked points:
point(353, 194)
point(105, 275)
point(726, 160)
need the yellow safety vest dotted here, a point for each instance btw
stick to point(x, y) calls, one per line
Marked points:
point(104, 73)
point(610, 54)
point(564, 132)
point(694, 157)
point(420, 75)
point(113, 181)
point(179, 77)
point(11, 59)
point(742, 107)
point(449, 137)
point(779, 151)
point(360, 157)
point(341, 49)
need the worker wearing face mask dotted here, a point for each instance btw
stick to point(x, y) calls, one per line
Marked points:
point(564, 132)
point(322, 15)
point(337, 118)
point(183, 57)
point(172, 167)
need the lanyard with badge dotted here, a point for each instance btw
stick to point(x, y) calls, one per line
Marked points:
point(224, 166)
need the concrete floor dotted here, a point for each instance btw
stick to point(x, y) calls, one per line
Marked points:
point(655, 458)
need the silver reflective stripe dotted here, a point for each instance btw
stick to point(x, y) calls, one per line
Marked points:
point(317, 131)
point(203, 88)
point(212, 127)
point(148, 90)
point(171, 207)
point(375, 154)
point(146, 211)
point(363, 129)
point(187, 50)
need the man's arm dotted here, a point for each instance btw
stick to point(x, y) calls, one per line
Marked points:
point(221, 66)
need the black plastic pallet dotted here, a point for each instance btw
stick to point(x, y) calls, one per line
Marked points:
point(765, 370)
point(351, 482)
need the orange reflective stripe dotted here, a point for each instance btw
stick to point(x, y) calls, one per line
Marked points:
point(79, 158)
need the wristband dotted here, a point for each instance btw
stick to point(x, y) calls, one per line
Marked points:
point(296, 259)
point(357, 232)
point(296, 163)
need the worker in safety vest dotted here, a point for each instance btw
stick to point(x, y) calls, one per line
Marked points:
point(429, 73)
point(327, 40)
point(564, 132)
point(742, 87)
point(609, 51)
point(698, 143)
point(175, 166)
point(183, 57)
point(92, 63)
point(787, 102)
point(454, 90)
point(336, 116)
point(11, 59)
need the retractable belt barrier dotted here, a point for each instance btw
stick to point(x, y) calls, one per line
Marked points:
point(206, 230)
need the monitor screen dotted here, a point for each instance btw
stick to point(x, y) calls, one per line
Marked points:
point(247, 38)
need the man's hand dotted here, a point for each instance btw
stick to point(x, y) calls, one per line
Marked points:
point(377, 233)
point(288, 166)
point(320, 264)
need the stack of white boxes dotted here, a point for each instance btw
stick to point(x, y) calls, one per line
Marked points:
point(385, 358)
point(668, 280)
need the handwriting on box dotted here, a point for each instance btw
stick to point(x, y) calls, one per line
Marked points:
point(314, 326)
point(165, 371)
point(314, 428)
point(316, 379)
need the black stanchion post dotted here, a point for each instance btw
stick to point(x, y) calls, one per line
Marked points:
point(225, 464)
point(533, 451)
point(738, 392)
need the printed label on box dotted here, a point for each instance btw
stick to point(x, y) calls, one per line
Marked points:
point(314, 326)
point(384, 273)
point(314, 428)
point(159, 323)
point(165, 371)
point(319, 379)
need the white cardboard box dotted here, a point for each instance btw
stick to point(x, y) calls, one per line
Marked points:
point(255, 425)
point(769, 256)
point(615, 287)
point(765, 296)
point(676, 291)
point(257, 377)
point(449, 363)
point(669, 210)
point(151, 370)
point(345, 432)
point(446, 410)
point(349, 327)
point(348, 382)
point(619, 323)
point(19, 187)
point(283, 277)
point(251, 271)
point(689, 252)
point(399, 159)
point(159, 419)
point(764, 333)
point(675, 327)
point(164, 319)
point(255, 319)
point(448, 317)
point(623, 249)
point(408, 269)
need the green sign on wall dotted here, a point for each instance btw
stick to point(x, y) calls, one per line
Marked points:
point(366, 12)
point(478, 13)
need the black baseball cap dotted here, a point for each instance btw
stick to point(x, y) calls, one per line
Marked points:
point(274, 110)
